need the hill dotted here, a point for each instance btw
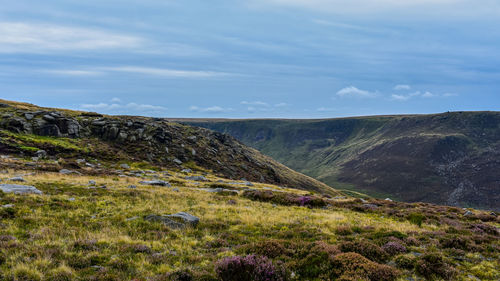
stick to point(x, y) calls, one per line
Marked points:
point(25, 129)
point(80, 201)
point(451, 158)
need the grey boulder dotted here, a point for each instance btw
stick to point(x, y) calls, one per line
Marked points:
point(196, 178)
point(156, 183)
point(19, 189)
point(175, 221)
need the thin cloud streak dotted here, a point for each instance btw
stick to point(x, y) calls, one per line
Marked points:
point(21, 37)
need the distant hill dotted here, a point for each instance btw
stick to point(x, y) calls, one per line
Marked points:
point(26, 128)
point(451, 158)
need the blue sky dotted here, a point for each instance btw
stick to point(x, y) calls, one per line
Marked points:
point(252, 58)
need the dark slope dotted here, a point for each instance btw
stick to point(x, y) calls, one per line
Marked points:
point(25, 128)
point(451, 158)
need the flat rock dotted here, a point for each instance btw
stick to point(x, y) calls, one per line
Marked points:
point(156, 183)
point(124, 166)
point(19, 189)
point(187, 218)
point(17, 179)
point(68, 172)
point(165, 220)
point(196, 178)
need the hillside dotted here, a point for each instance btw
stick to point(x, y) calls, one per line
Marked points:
point(451, 158)
point(80, 200)
point(72, 135)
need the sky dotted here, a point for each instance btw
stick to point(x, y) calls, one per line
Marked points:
point(252, 58)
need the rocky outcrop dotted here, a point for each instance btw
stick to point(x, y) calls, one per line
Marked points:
point(157, 141)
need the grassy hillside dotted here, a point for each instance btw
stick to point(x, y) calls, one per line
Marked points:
point(98, 226)
point(450, 158)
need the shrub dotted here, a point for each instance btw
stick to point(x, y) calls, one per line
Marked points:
point(271, 249)
point(353, 266)
point(250, 268)
point(456, 242)
point(3, 258)
point(25, 273)
point(366, 249)
point(433, 265)
point(287, 199)
point(61, 273)
point(317, 261)
point(181, 275)
point(394, 248)
point(344, 230)
point(405, 261)
point(416, 218)
point(7, 213)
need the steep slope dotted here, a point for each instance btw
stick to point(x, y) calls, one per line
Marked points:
point(451, 158)
point(67, 134)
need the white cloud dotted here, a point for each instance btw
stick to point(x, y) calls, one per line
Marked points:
point(255, 103)
point(74, 72)
point(20, 37)
point(211, 109)
point(325, 109)
point(165, 72)
point(355, 92)
point(402, 87)
point(116, 100)
point(281, 104)
point(400, 97)
point(428, 95)
point(160, 72)
point(402, 7)
point(131, 107)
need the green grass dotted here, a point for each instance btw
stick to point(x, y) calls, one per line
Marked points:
point(102, 233)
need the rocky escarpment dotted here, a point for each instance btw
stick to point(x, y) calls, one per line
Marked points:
point(125, 138)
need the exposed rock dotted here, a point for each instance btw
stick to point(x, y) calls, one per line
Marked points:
point(388, 199)
point(468, 214)
point(19, 189)
point(41, 154)
point(132, 186)
point(186, 171)
point(68, 172)
point(124, 166)
point(165, 220)
point(92, 182)
point(187, 218)
point(196, 178)
point(177, 161)
point(156, 183)
point(17, 179)
point(370, 206)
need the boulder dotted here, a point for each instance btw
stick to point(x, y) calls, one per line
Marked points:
point(156, 183)
point(165, 220)
point(41, 154)
point(186, 218)
point(19, 189)
point(124, 166)
point(196, 178)
point(17, 179)
point(68, 172)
